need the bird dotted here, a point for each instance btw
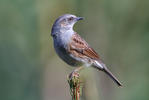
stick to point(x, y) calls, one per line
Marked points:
point(73, 49)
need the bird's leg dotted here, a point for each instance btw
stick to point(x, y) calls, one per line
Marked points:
point(74, 83)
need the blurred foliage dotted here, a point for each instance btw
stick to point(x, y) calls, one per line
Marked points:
point(117, 29)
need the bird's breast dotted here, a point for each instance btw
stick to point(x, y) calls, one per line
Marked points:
point(62, 51)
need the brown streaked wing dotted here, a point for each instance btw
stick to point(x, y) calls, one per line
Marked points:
point(80, 46)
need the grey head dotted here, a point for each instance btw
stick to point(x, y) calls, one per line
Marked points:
point(64, 23)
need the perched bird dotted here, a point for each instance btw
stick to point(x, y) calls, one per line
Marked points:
point(73, 49)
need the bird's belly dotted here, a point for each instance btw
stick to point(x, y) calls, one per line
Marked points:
point(65, 56)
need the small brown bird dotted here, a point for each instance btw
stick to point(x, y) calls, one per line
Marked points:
point(74, 50)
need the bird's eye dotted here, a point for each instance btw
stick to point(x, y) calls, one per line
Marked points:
point(70, 19)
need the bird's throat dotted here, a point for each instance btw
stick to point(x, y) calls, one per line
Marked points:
point(67, 35)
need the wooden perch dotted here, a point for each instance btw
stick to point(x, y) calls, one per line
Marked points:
point(75, 84)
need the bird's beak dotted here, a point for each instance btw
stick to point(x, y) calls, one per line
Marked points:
point(79, 18)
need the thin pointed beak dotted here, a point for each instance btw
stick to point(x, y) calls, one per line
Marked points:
point(79, 18)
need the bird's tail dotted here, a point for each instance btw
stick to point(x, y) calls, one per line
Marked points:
point(107, 71)
point(112, 76)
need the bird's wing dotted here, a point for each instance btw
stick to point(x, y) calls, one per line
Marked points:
point(80, 48)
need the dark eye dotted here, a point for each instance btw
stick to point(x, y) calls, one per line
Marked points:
point(70, 19)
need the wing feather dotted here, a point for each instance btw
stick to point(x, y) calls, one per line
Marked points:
point(79, 45)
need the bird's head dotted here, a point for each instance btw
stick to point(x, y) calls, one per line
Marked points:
point(65, 23)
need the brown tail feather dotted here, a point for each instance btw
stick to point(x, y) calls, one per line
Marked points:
point(112, 77)
point(100, 66)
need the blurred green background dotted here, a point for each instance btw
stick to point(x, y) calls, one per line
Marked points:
point(31, 70)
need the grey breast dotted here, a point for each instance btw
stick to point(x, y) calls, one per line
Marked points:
point(65, 56)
